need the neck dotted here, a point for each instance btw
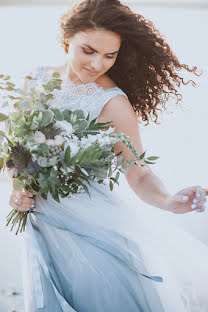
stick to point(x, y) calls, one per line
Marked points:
point(70, 75)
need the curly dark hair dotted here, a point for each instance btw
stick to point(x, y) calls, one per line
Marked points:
point(146, 68)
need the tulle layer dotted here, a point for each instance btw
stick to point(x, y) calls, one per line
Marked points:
point(105, 253)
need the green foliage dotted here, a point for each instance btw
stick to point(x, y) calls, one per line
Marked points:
point(3, 117)
point(49, 167)
point(47, 118)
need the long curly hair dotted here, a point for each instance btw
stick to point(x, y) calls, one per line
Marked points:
point(146, 67)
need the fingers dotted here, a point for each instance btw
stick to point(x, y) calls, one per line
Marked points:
point(20, 201)
point(26, 193)
point(194, 199)
point(199, 199)
point(190, 191)
point(196, 196)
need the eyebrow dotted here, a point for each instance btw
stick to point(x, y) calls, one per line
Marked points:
point(97, 51)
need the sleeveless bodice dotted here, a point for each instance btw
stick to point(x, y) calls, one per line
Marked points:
point(88, 97)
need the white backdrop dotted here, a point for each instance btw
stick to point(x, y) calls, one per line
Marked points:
point(28, 39)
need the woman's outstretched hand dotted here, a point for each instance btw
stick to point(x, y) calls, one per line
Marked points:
point(187, 200)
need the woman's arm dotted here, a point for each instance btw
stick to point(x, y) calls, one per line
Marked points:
point(146, 185)
point(151, 190)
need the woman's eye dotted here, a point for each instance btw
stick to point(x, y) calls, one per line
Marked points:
point(86, 52)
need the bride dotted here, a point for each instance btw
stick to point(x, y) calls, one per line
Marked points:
point(103, 253)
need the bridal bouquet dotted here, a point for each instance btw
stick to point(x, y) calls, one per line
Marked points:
point(54, 151)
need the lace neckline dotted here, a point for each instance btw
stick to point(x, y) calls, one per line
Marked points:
point(68, 84)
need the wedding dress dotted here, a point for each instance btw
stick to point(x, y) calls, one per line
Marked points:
point(107, 253)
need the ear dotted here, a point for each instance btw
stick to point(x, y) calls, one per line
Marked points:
point(67, 40)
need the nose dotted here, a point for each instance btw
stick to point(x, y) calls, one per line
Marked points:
point(97, 64)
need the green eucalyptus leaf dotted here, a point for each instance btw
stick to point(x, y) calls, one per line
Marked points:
point(142, 155)
point(2, 133)
point(111, 185)
point(149, 162)
point(58, 114)
point(67, 114)
point(80, 114)
point(10, 84)
point(34, 125)
point(117, 175)
point(44, 183)
point(67, 155)
point(39, 106)
point(17, 117)
point(25, 104)
point(7, 77)
point(9, 88)
point(80, 125)
point(100, 181)
point(47, 118)
point(3, 117)
point(115, 180)
point(20, 131)
point(153, 158)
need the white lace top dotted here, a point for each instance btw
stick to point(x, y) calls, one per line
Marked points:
point(88, 97)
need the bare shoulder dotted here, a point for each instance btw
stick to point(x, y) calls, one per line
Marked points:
point(106, 82)
point(119, 110)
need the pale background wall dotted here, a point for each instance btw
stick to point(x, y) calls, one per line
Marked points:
point(28, 39)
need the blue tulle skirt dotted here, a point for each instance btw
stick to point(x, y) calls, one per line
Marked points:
point(104, 254)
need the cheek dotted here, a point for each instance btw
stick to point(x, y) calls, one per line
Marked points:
point(109, 64)
point(78, 59)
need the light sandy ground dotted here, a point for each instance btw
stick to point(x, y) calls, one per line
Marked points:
point(11, 298)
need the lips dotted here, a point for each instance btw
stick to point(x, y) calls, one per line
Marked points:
point(91, 72)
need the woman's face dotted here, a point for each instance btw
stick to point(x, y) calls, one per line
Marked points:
point(91, 54)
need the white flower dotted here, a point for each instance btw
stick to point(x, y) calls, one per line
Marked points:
point(74, 145)
point(88, 141)
point(65, 126)
point(58, 140)
point(74, 148)
point(50, 142)
point(39, 137)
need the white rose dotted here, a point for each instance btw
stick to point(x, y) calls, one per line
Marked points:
point(49, 142)
point(58, 140)
point(39, 137)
